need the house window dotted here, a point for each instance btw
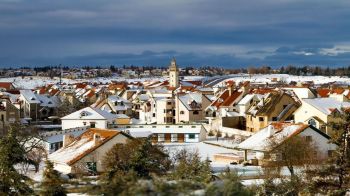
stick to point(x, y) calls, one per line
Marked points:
point(195, 112)
point(308, 138)
point(191, 136)
point(168, 103)
point(182, 112)
point(91, 166)
point(312, 122)
point(173, 137)
point(330, 153)
point(154, 114)
point(160, 137)
point(261, 119)
point(84, 123)
point(92, 124)
point(52, 146)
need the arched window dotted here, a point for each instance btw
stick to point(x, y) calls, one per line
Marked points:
point(312, 122)
point(182, 112)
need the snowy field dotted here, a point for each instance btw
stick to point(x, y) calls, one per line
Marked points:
point(260, 78)
point(30, 82)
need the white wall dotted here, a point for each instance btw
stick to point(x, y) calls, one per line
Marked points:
point(68, 124)
point(321, 142)
point(306, 111)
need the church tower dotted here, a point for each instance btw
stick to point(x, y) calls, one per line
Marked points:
point(173, 74)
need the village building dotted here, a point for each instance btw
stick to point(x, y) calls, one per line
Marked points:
point(277, 106)
point(38, 106)
point(264, 142)
point(89, 116)
point(164, 133)
point(322, 113)
point(85, 153)
point(173, 74)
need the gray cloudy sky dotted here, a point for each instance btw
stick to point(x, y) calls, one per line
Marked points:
point(230, 33)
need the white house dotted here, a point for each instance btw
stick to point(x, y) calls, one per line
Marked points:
point(53, 140)
point(86, 153)
point(92, 117)
point(178, 133)
point(264, 141)
point(319, 112)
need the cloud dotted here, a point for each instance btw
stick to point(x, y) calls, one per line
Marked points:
point(229, 32)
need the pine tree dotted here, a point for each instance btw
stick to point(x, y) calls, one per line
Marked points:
point(52, 182)
point(12, 153)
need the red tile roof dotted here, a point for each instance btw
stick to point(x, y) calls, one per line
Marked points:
point(105, 134)
point(6, 85)
point(225, 99)
point(323, 92)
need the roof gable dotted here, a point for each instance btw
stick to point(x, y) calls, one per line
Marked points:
point(83, 145)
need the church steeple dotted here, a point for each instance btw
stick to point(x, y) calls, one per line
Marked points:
point(173, 65)
point(173, 74)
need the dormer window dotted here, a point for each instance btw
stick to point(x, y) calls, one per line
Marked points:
point(32, 98)
point(49, 102)
point(83, 113)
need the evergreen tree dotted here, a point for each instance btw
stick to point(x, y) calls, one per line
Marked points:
point(52, 182)
point(334, 177)
point(189, 166)
point(12, 153)
point(230, 184)
point(138, 155)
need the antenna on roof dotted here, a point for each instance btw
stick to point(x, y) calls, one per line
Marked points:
point(60, 74)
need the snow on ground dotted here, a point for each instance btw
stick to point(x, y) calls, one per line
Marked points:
point(227, 143)
point(261, 78)
point(31, 82)
point(204, 150)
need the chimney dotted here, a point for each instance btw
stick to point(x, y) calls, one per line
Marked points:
point(230, 89)
point(67, 139)
point(97, 138)
point(270, 131)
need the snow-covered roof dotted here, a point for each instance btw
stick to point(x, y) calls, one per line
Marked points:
point(275, 133)
point(246, 99)
point(29, 96)
point(163, 129)
point(90, 113)
point(57, 136)
point(326, 105)
point(143, 97)
point(187, 100)
point(43, 100)
point(82, 145)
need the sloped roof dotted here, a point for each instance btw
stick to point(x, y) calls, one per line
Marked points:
point(83, 145)
point(326, 105)
point(90, 113)
point(188, 98)
point(262, 140)
point(323, 92)
point(6, 85)
point(225, 99)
